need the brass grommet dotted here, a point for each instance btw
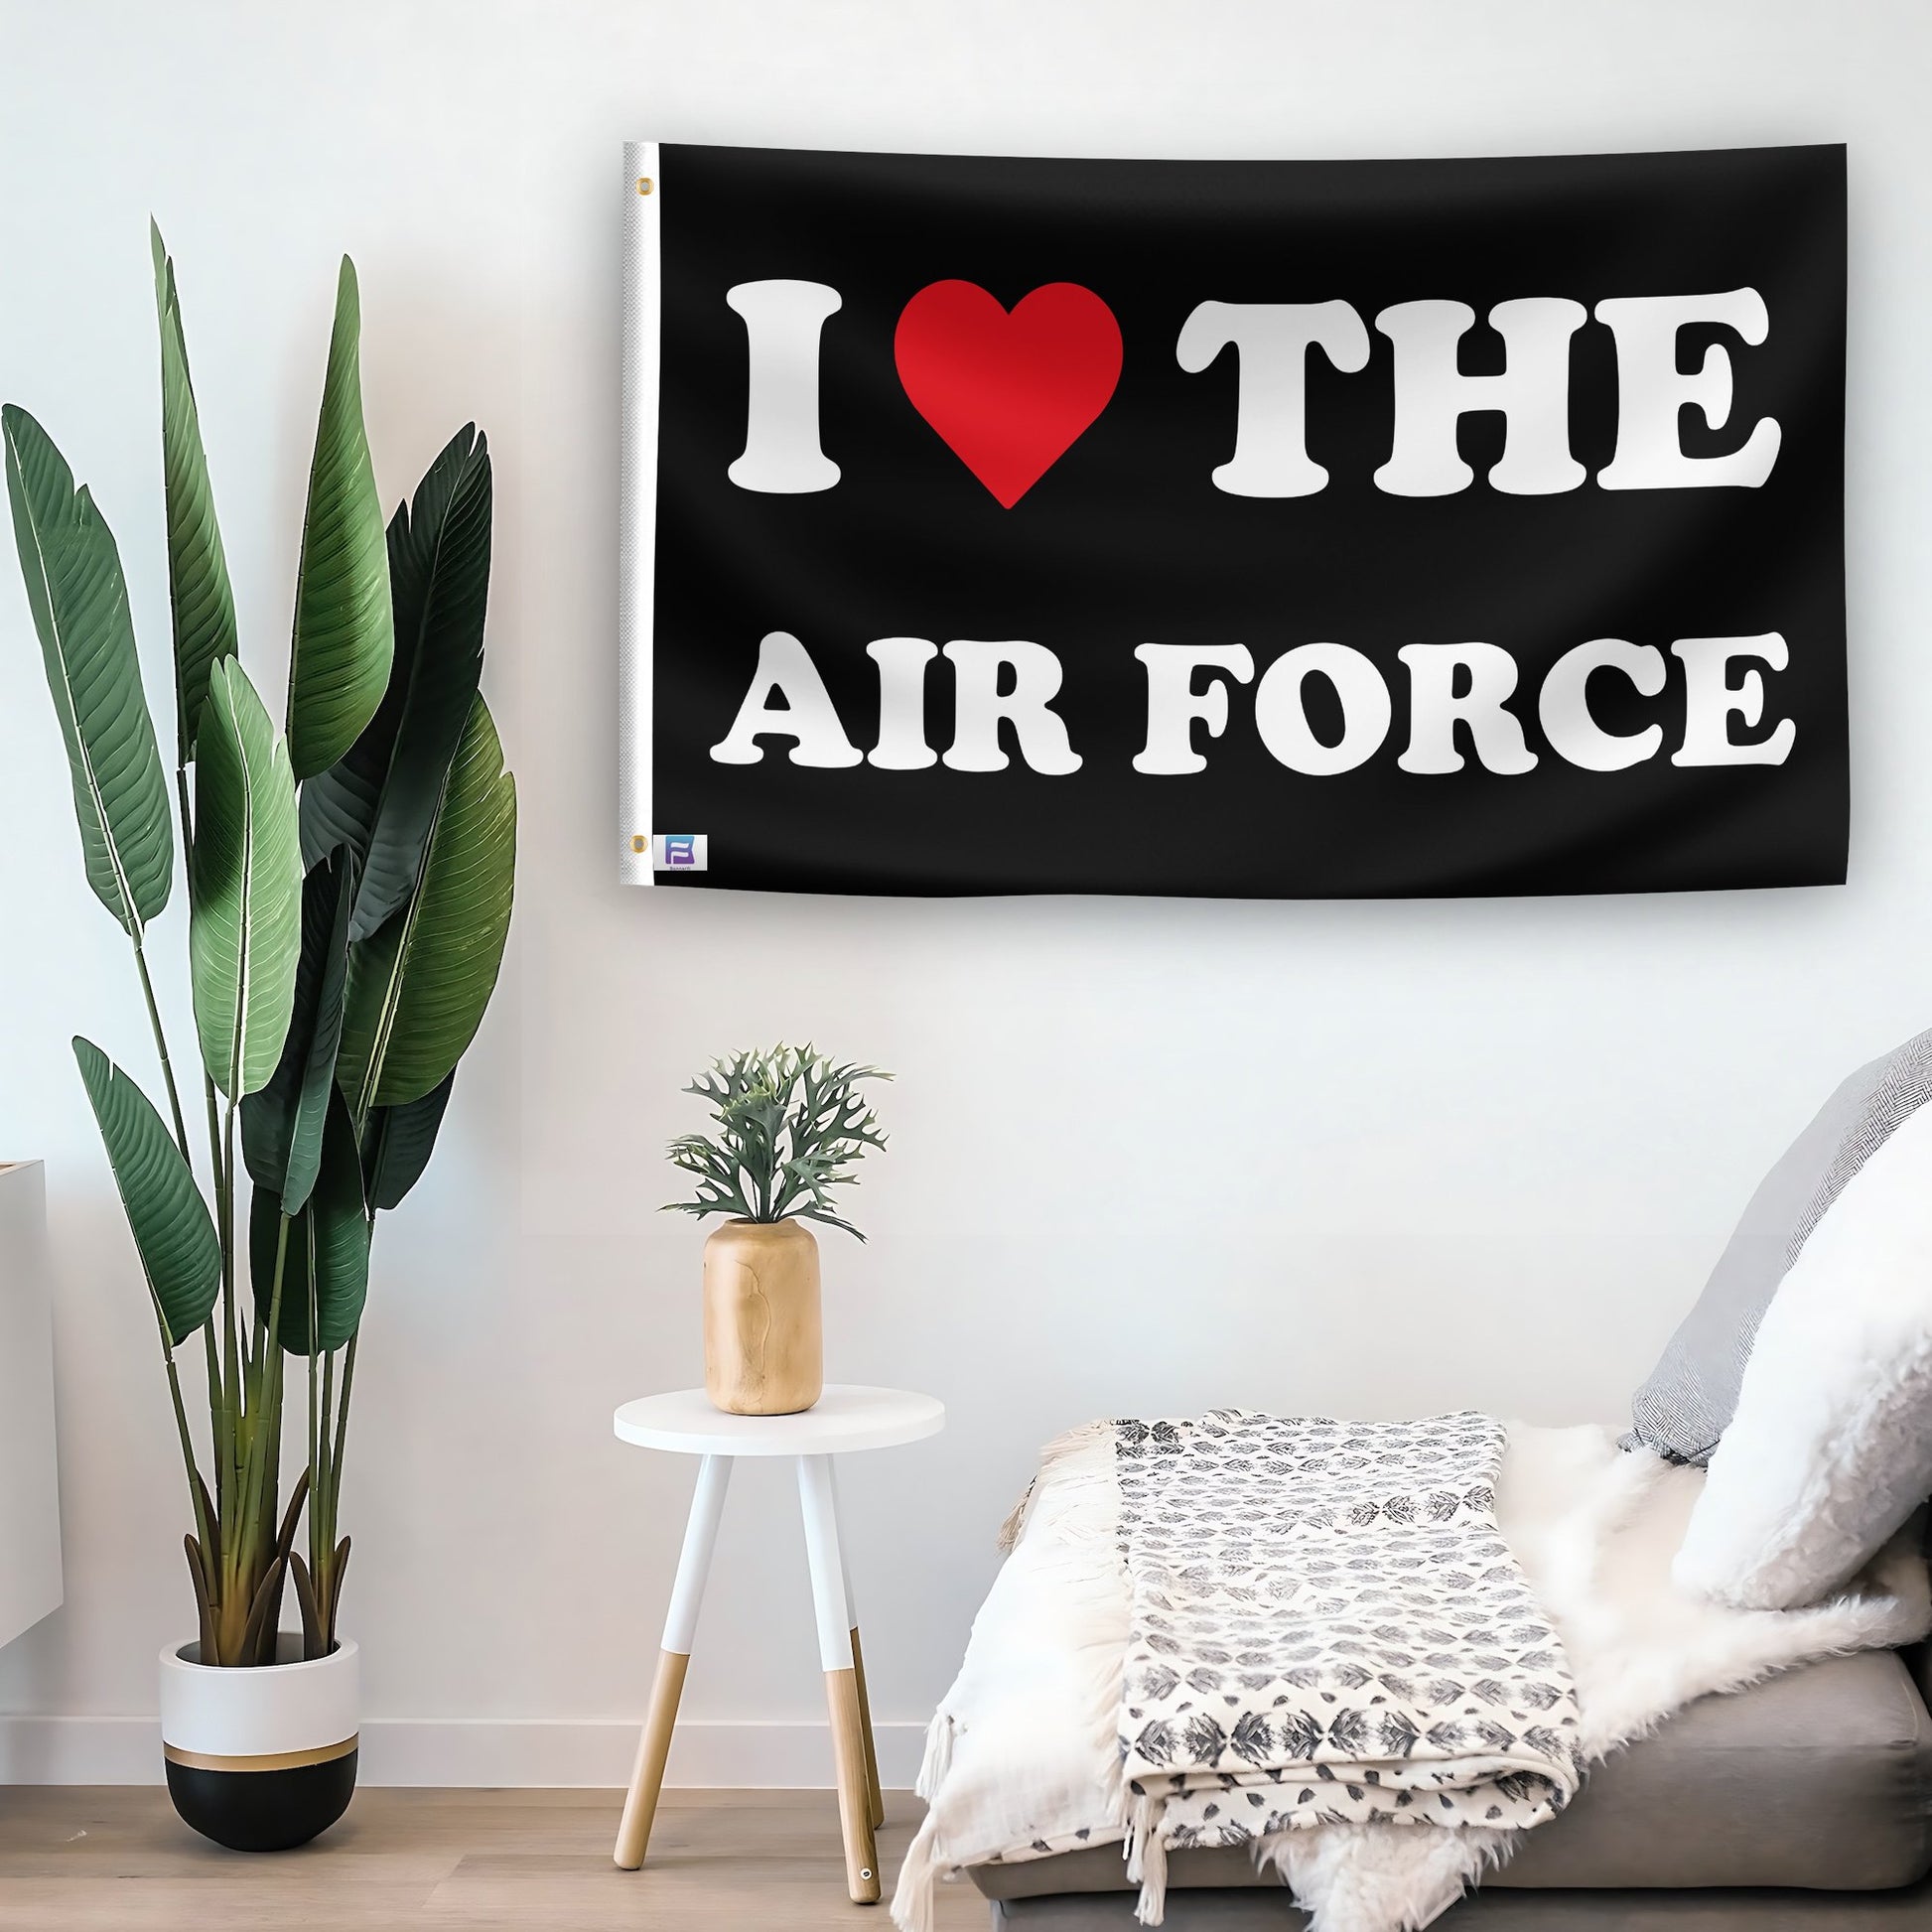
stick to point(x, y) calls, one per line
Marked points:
point(639, 842)
point(644, 184)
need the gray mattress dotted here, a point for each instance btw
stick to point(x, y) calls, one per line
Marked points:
point(1816, 1783)
point(1505, 1911)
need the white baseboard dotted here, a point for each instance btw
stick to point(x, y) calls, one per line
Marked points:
point(479, 1752)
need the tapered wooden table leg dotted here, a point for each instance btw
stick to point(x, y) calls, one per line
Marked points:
point(874, 1797)
point(680, 1626)
point(820, 1511)
point(653, 1748)
point(858, 1658)
point(855, 1796)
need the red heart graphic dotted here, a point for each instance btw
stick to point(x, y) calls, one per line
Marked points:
point(1009, 394)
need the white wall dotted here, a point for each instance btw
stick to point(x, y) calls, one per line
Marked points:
point(1147, 1155)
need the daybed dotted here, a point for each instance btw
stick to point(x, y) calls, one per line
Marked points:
point(1651, 1682)
point(1801, 1804)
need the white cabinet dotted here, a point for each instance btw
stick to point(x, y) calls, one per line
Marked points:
point(30, 1511)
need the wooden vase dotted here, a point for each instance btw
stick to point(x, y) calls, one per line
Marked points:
point(764, 1343)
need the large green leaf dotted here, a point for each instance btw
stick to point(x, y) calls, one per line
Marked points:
point(344, 631)
point(244, 933)
point(78, 599)
point(281, 1126)
point(172, 1232)
point(417, 990)
point(198, 570)
point(398, 1143)
point(380, 797)
point(326, 1263)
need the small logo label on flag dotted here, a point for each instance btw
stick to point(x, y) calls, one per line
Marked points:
point(678, 852)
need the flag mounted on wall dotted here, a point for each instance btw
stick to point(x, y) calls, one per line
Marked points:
point(1302, 529)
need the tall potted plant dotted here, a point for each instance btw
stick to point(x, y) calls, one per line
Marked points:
point(790, 1126)
point(349, 881)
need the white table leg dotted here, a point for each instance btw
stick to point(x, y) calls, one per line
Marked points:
point(819, 1503)
point(680, 1626)
point(878, 1796)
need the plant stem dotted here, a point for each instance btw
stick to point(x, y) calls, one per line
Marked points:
point(267, 1412)
point(341, 1420)
point(317, 1462)
point(246, 1558)
point(161, 1048)
point(188, 1464)
point(318, 1431)
point(187, 1448)
point(321, 1520)
point(328, 1592)
point(231, 1358)
point(219, 1414)
point(233, 1415)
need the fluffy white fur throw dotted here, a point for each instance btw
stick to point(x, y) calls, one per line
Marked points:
point(1021, 1758)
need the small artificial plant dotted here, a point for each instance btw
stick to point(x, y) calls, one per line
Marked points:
point(348, 897)
point(790, 1126)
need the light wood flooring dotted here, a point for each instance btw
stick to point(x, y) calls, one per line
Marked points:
point(116, 1860)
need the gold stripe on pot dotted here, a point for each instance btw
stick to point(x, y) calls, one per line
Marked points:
point(266, 1761)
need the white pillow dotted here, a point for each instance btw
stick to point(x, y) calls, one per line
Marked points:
point(1830, 1450)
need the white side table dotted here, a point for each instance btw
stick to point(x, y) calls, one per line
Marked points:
point(844, 1419)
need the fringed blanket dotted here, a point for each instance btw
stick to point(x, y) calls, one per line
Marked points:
point(1024, 1757)
point(1325, 1626)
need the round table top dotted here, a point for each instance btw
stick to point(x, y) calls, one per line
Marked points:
point(846, 1417)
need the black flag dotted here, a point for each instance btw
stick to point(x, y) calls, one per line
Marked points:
point(1281, 528)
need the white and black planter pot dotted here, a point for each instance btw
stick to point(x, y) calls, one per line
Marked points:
point(260, 1759)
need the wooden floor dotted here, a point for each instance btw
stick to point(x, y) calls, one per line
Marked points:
point(116, 1860)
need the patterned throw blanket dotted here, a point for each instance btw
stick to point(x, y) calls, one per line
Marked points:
point(1326, 1626)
